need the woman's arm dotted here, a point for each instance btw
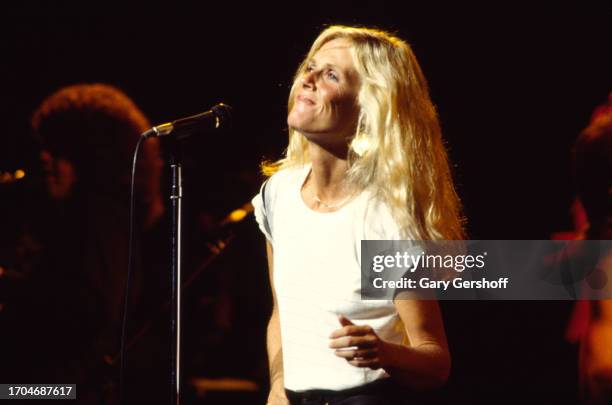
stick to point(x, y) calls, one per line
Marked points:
point(275, 354)
point(424, 363)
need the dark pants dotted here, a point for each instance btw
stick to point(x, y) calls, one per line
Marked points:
point(380, 392)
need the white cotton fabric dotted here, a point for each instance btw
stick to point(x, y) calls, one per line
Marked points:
point(317, 274)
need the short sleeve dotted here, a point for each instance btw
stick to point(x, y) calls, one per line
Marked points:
point(379, 222)
point(261, 214)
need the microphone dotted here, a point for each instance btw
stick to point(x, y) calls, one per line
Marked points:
point(183, 127)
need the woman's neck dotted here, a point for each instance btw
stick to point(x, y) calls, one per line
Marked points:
point(327, 180)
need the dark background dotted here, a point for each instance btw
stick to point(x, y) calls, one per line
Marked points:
point(513, 86)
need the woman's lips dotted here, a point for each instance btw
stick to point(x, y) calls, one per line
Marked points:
point(305, 100)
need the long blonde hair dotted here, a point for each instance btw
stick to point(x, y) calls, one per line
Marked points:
point(397, 150)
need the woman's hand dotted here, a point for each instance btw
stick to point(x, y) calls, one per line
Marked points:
point(423, 364)
point(359, 345)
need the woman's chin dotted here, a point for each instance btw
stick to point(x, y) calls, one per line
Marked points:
point(297, 122)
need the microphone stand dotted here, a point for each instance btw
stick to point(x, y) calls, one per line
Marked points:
point(176, 195)
point(216, 115)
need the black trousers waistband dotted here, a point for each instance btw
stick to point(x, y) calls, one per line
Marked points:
point(383, 391)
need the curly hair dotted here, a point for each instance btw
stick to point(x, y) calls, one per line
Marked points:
point(96, 127)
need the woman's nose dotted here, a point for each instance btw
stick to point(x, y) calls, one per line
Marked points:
point(308, 79)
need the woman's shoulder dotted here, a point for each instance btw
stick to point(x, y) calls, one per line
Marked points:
point(286, 177)
point(379, 221)
point(280, 183)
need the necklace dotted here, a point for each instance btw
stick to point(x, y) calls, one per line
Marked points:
point(308, 184)
point(331, 206)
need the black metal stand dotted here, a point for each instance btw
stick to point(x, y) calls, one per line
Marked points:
point(176, 195)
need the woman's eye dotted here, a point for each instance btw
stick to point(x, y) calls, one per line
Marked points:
point(309, 69)
point(332, 76)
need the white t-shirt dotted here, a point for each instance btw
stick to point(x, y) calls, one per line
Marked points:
point(317, 276)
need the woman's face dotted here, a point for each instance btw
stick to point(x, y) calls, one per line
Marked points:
point(325, 105)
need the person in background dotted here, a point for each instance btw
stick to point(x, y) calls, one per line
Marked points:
point(69, 310)
point(591, 324)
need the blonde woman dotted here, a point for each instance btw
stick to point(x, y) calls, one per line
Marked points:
point(365, 160)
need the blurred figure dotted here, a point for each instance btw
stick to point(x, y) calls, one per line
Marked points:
point(90, 131)
point(592, 321)
point(67, 315)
